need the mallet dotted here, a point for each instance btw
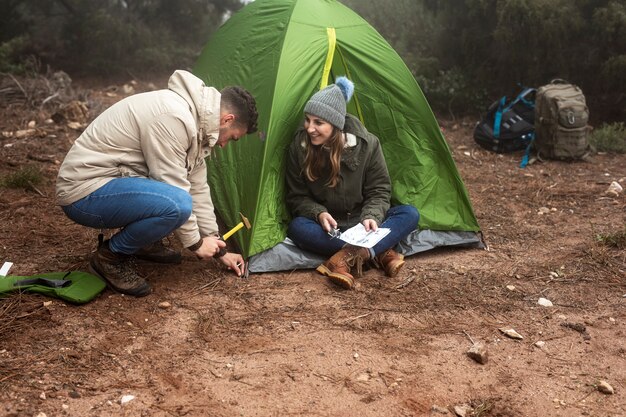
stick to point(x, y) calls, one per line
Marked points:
point(244, 222)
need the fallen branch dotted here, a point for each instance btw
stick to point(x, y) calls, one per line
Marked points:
point(406, 281)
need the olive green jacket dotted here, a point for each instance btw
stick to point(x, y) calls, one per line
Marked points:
point(364, 188)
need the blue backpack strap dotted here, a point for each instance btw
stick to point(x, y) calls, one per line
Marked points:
point(497, 118)
point(522, 97)
point(526, 156)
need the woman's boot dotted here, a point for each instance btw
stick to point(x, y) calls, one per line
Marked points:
point(391, 261)
point(338, 267)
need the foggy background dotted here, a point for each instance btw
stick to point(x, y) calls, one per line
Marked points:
point(464, 54)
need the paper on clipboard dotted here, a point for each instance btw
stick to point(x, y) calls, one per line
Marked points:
point(358, 236)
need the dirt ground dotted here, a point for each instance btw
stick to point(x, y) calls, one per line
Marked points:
point(206, 343)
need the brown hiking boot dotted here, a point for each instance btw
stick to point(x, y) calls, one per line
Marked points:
point(159, 253)
point(338, 267)
point(118, 271)
point(391, 261)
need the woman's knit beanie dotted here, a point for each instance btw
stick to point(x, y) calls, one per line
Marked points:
point(330, 103)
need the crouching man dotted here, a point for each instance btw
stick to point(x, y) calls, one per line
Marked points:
point(140, 167)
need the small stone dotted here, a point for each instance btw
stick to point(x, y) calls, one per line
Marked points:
point(355, 356)
point(164, 305)
point(126, 399)
point(614, 190)
point(32, 124)
point(42, 395)
point(605, 388)
point(612, 320)
point(544, 302)
point(463, 410)
point(42, 414)
point(543, 210)
point(478, 352)
point(540, 344)
point(511, 333)
point(510, 287)
point(47, 303)
point(229, 365)
point(65, 406)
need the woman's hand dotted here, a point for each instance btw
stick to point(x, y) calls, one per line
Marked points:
point(370, 224)
point(211, 245)
point(326, 221)
point(235, 262)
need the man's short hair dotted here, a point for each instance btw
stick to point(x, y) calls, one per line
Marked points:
point(239, 101)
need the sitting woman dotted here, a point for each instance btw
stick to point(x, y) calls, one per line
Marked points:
point(336, 178)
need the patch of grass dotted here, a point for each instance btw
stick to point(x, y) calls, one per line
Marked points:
point(609, 138)
point(614, 240)
point(26, 178)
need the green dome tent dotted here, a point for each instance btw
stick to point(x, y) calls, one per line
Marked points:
point(283, 51)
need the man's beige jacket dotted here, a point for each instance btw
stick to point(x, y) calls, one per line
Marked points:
point(163, 135)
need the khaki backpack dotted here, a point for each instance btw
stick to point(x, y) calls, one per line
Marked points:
point(561, 116)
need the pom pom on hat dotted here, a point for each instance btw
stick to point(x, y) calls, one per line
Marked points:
point(330, 103)
point(346, 86)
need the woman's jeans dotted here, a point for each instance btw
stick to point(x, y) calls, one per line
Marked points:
point(309, 235)
point(146, 210)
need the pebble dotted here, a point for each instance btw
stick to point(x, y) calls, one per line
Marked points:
point(165, 305)
point(478, 352)
point(510, 287)
point(126, 398)
point(355, 356)
point(463, 410)
point(614, 190)
point(42, 395)
point(540, 344)
point(511, 333)
point(605, 388)
point(42, 414)
point(544, 302)
point(65, 406)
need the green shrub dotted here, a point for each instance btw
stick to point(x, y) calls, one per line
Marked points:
point(453, 92)
point(614, 240)
point(26, 178)
point(10, 56)
point(609, 138)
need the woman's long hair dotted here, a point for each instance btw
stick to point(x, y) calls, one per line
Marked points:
point(319, 157)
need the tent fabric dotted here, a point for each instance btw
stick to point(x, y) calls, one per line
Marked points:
point(287, 256)
point(283, 51)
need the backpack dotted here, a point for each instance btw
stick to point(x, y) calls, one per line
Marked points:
point(508, 126)
point(561, 117)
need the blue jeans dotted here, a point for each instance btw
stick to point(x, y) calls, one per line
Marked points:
point(146, 210)
point(309, 235)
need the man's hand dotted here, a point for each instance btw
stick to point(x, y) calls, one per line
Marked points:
point(370, 224)
point(235, 262)
point(211, 245)
point(326, 221)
